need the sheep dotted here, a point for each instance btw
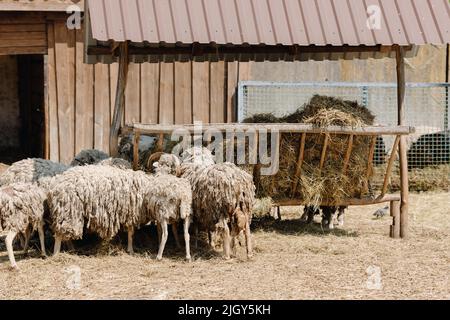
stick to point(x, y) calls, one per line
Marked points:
point(168, 200)
point(117, 163)
point(22, 207)
point(102, 197)
point(89, 156)
point(38, 171)
point(328, 213)
point(222, 194)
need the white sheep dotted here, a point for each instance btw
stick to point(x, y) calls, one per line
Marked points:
point(101, 197)
point(38, 171)
point(22, 207)
point(169, 200)
point(223, 195)
point(117, 163)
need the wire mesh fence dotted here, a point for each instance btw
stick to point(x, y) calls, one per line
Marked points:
point(427, 106)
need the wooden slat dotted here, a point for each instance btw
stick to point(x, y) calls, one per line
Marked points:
point(166, 94)
point(23, 43)
point(64, 64)
point(84, 99)
point(22, 50)
point(132, 95)
point(217, 94)
point(232, 78)
point(102, 108)
point(136, 139)
point(23, 36)
point(324, 151)
point(282, 127)
point(113, 76)
point(149, 92)
point(39, 5)
point(52, 97)
point(298, 170)
point(200, 91)
point(373, 144)
point(344, 202)
point(16, 28)
point(183, 93)
point(348, 153)
point(390, 165)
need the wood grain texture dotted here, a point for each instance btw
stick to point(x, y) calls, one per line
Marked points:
point(133, 94)
point(183, 92)
point(166, 93)
point(217, 94)
point(200, 91)
point(149, 92)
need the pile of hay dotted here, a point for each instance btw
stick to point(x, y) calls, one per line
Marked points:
point(330, 184)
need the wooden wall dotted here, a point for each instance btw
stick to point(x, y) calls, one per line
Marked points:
point(81, 97)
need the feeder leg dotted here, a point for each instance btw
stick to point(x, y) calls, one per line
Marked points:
point(404, 189)
point(395, 214)
point(278, 212)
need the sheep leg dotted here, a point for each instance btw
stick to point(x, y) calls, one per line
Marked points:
point(158, 229)
point(175, 234)
point(9, 246)
point(27, 235)
point(164, 235)
point(226, 240)
point(42, 239)
point(248, 241)
point(340, 217)
point(196, 236)
point(57, 248)
point(130, 240)
point(211, 239)
point(187, 239)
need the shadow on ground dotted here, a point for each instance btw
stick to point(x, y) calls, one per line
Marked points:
point(298, 227)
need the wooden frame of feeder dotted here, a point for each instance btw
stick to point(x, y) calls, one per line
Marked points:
point(399, 203)
point(398, 229)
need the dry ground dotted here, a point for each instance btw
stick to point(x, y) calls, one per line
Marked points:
point(292, 261)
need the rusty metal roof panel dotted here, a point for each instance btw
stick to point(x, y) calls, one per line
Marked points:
point(272, 22)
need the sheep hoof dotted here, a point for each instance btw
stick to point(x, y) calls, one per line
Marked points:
point(158, 258)
point(331, 226)
point(44, 256)
point(14, 267)
point(188, 259)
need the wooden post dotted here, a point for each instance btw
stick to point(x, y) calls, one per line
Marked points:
point(137, 137)
point(348, 154)
point(301, 155)
point(395, 214)
point(387, 175)
point(120, 99)
point(400, 54)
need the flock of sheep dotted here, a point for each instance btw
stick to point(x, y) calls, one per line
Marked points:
point(102, 195)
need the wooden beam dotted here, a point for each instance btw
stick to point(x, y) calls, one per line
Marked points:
point(289, 128)
point(391, 160)
point(120, 99)
point(348, 153)
point(136, 139)
point(301, 155)
point(395, 214)
point(371, 154)
point(345, 202)
point(324, 152)
point(400, 58)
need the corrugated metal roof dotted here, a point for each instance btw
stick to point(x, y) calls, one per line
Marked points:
point(272, 22)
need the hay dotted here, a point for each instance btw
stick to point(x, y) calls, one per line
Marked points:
point(330, 183)
point(262, 207)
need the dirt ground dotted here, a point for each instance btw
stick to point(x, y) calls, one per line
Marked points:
point(292, 261)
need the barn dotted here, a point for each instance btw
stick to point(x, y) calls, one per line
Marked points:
point(69, 104)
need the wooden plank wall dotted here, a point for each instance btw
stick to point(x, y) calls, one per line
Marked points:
point(22, 35)
point(81, 97)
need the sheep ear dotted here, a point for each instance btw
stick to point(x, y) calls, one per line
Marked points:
point(178, 171)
